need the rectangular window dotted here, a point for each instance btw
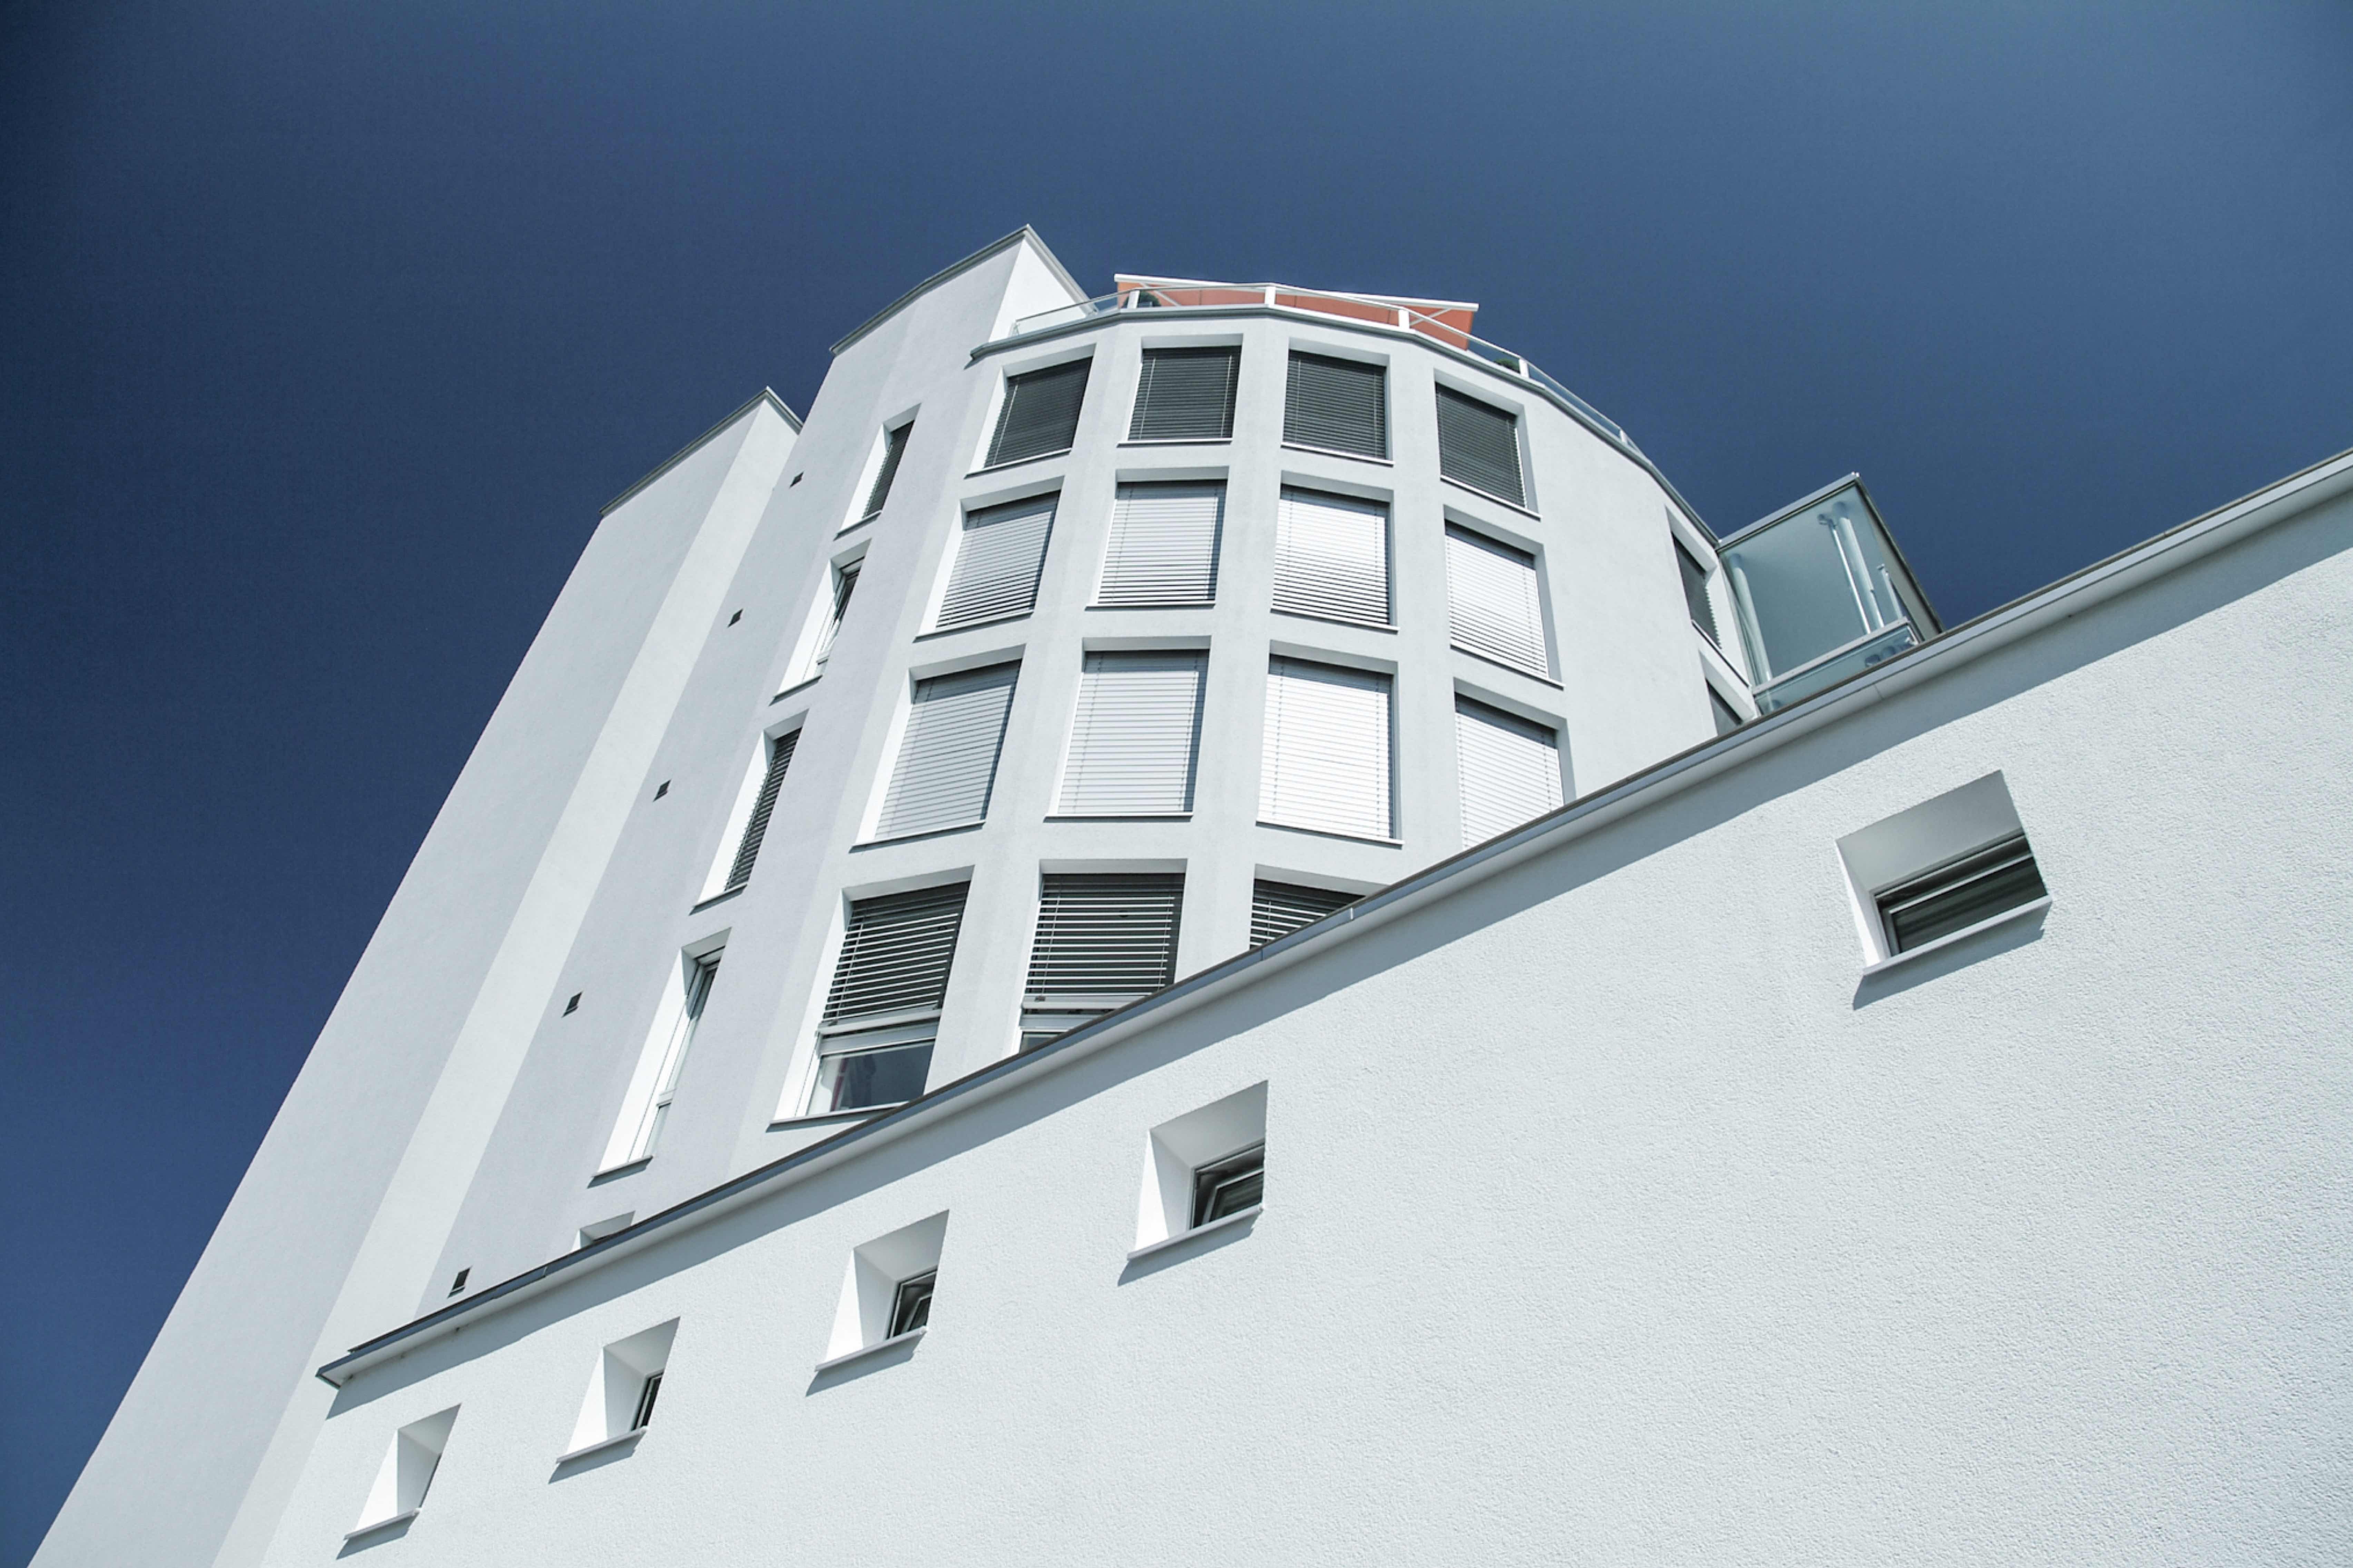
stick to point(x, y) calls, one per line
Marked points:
point(1230, 1185)
point(644, 1417)
point(1491, 599)
point(845, 583)
point(947, 757)
point(1186, 394)
point(646, 1105)
point(1510, 769)
point(882, 1014)
point(1326, 764)
point(1102, 941)
point(1332, 556)
point(1040, 414)
point(1164, 545)
point(1278, 909)
point(763, 807)
point(999, 553)
point(1337, 405)
point(1961, 893)
point(1695, 599)
point(894, 447)
point(1479, 446)
point(1136, 735)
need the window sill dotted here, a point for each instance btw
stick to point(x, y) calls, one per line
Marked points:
point(1000, 468)
point(1182, 1237)
point(1338, 620)
point(801, 685)
point(623, 1441)
point(1162, 604)
point(716, 898)
point(1330, 833)
point(826, 1119)
point(876, 1348)
point(854, 527)
point(1335, 452)
point(1180, 441)
point(1490, 495)
point(1119, 816)
point(365, 1530)
point(1518, 669)
point(615, 1172)
point(1950, 938)
point(913, 838)
point(971, 625)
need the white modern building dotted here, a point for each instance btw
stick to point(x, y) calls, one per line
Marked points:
point(1205, 924)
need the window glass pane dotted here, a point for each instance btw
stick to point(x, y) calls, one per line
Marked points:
point(853, 1081)
point(1164, 545)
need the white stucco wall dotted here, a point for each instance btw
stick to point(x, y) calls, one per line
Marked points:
point(1611, 1213)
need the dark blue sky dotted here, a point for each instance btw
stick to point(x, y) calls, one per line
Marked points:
point(325, 330)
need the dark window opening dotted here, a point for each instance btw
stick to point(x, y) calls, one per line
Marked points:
point(911, 1307)
point(1231, 1185)
point(646, 1403)
point(1959, 894)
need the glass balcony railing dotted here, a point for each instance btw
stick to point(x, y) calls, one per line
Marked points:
point(1822, 591)
point(1873, 648)
point(1449, 326)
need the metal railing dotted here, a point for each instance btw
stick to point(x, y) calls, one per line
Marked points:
point(1449, 328)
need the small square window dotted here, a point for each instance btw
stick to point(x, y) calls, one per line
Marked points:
point(1940, 869)
point(619, 1403)
point(407, 1473)
point(886, 1296)
point(1203, 1167)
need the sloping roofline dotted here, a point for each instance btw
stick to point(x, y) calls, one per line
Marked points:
point(2046, 607)
point(1025, 232)
point(766, 394)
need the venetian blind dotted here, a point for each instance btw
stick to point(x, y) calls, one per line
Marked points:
point(1105, 937)
point(947, 758)
point(1332, 556)
point(1479, 446)
point(895, 954)
point(1339, 404)
point(1510, 769)
point(999, 553)
point(1041, 413)
point(1133, 738)
point(764, 806)
point(1278, 909)
point(1326, 764)
point(1186, 394)
point(1490, 596)
point(1164, 545)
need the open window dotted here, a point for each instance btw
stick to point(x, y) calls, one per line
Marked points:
point(882, 1011)
point(886, 1295)
point(646, 1105)
point(405, 1474)
point(622, 1392)
point(1206, 1167)
point(1947, 867)
point(1103, 941)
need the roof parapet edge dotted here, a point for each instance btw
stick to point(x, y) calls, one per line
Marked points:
point(1025, 232)
point(766, 394)
point(1990, 630)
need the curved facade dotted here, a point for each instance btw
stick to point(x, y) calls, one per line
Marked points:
point(1081, 643)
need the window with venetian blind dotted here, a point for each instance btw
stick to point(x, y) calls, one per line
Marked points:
point(1479, 446)
point(1492, 602)
point(1164, 545)
point(1039, 416)
point(1135, 734)
point(1278, 909)
point(948, 755)
point(1332, 556)
point(882, 1011)
point(1326, 764)
point(894, 447)
point(1509, 768)
point(1336, 404)
point(999, 553)
point(763, 807)
point(1103, 941)
point(1186, 394)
